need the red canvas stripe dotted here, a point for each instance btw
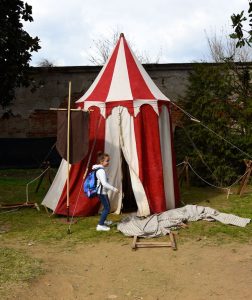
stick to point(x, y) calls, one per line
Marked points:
point(101, 90)
point(138, 85)
point(85, 206)
point(126, 103)
point(149, 157)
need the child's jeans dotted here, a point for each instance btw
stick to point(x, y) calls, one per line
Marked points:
point(106, 208)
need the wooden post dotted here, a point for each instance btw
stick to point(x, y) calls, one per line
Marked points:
point(68, 147)
point(39, 183)
point(173, 241)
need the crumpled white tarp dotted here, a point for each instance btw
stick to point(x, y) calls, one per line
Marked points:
point(161, 224)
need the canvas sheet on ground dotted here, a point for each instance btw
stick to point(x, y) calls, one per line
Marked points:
point(161, 224)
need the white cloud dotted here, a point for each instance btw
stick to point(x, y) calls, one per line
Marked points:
point(66, 28)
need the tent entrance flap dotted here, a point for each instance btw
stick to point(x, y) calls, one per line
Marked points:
point(128, 201)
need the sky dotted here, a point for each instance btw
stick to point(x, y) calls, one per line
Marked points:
point(168, 31)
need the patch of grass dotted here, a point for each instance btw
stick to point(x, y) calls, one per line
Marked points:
point(215, 231)
point(16, 268)
point(28, 224)
point(13, 185)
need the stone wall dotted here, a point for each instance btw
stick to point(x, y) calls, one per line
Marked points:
point(30, 116)
point(28, 130)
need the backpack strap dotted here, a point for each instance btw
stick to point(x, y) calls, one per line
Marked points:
point(100, 185)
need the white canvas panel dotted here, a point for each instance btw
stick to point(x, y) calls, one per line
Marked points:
point(139, 193)
point(120, 85)
point(54, 193)
point(128, 145)
point(112, 147)
point(165, 142)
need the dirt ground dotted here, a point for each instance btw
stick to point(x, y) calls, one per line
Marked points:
point(109, 270)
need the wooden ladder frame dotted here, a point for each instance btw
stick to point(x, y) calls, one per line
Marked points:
point(137, 244)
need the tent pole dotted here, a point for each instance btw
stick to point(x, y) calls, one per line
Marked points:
point(68, 147)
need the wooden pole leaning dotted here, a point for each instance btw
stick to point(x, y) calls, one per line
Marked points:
point(246, 177)
point(184, 173)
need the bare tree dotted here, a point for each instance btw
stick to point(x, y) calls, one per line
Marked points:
point(222, 47)
point(103, 46)
point(46, 63)
point(145, 58)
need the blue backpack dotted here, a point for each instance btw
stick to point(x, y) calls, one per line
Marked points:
point(89, 186)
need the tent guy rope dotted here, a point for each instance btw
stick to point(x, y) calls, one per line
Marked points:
point(227, 188)
point(27, 185)
point(198, 121)
point(199, 154)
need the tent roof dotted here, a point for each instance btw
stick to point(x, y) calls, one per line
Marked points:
point(122, 79)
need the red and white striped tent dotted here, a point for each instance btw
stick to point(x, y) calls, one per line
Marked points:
point(134, 122)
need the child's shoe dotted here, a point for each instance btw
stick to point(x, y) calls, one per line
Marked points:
point(108, 222)
point(102, 228)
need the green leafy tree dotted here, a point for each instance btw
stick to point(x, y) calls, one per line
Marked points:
point(16, 46)
point(219, 95)
point(243, 36)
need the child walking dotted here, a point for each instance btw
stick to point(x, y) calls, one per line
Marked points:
point(102, 190)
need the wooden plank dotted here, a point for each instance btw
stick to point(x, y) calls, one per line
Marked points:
point(153, 245)
point(173, 241)
point(14, 205)
point(159, 244)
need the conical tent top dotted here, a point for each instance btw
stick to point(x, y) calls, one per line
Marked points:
point(122, 81)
